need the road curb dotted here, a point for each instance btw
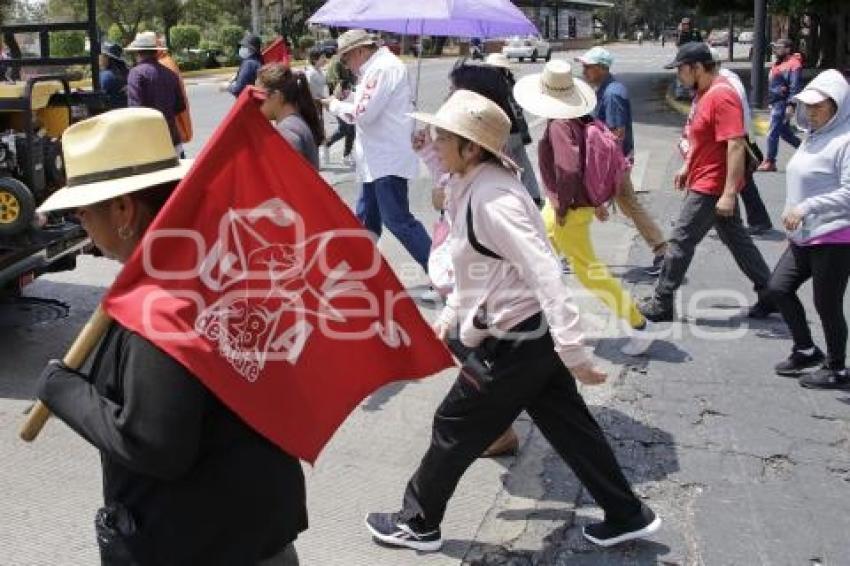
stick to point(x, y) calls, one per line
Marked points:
point(760, 123)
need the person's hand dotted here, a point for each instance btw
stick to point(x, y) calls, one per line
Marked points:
point(602, 213)
point(725, 206)
point(441, 330)
point(681, 178)
point(421, 138)
point(589, 374)
point(792, 219)
point(438, 198)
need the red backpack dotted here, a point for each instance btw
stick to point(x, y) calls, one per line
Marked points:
point(605, 166)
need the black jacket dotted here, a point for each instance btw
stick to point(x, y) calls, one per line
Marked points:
point(201, 486)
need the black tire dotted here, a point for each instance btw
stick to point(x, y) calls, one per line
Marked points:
point(17, 206)
point(534, 56)
point(548, 55)
point(520, 59)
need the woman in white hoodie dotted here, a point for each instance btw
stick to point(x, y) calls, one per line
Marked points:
point(817, 218)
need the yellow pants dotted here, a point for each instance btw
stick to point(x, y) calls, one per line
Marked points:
point(572, 240)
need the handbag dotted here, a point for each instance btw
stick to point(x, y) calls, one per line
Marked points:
point(754, 156)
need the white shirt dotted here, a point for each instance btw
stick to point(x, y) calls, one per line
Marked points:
point(317, 81)
point(735, 80)
point(379, 110)
point(525, 282)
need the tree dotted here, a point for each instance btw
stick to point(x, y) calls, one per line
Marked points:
point(185, 37)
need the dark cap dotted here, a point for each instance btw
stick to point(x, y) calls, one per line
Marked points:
point(783, 42)
point(112, 50)
point(690, 53)
point(252, 41)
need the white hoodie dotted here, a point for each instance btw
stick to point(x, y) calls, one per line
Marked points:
point(818, 175)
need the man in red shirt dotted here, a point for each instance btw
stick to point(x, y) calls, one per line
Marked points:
point(713, 175)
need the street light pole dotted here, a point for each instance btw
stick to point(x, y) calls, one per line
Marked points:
point(255, 17)
point(759, 40)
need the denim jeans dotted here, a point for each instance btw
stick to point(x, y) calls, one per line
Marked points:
point(384, 201)
point(779, 127)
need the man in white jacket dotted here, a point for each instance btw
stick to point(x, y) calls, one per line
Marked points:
point(383, 151)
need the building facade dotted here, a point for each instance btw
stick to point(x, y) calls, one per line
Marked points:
point(567, 22)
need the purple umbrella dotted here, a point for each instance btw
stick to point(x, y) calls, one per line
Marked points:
point(453, 18)
point(456, 18)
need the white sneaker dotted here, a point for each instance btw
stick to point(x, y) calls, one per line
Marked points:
point(431, 295)
point(640, 341)
point(326, 154)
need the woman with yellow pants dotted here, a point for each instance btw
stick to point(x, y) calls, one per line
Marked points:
point(567, 102)
point(571, 238)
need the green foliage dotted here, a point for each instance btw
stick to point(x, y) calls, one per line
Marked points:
point(427, 45)
point(209, 45)
point(185, 37)
point(67, 43)
point(114, 34)
point(229, 37)
point(306, 42)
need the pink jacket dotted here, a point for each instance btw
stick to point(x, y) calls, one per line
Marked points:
point(526, 281)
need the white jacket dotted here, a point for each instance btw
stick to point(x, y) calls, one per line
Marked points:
point(379, 110)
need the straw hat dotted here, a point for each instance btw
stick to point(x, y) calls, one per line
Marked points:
point(145, 41)
point(354, 38)
point(498, 60)
point(114, 154)
point(476, 118)
point(555, 93)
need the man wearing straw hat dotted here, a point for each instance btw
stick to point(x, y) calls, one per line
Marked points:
point(152, 85)
point(383, 150)
point(511, 308)
point(185, 480)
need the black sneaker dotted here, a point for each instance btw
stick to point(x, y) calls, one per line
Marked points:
point(827, 378)
point(799, 361)
point(654, 270)
point(609, 533)
point(762, 309)
point(389, 529)
point(657, 310)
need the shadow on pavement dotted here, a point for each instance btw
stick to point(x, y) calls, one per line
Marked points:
point(661, 350)
point(647, 454)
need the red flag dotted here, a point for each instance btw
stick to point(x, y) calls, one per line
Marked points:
point(258, 279)
point(276, 52)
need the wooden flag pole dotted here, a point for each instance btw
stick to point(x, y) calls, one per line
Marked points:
point(86, 341)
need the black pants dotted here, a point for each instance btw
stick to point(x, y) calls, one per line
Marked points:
point(481, 405)
point(753, 205)
point(828, 266)
point(345, 131)
point(697, 217)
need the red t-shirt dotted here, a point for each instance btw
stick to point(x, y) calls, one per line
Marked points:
point(718, 117)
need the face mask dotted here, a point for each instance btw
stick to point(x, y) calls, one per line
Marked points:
point(245, 52)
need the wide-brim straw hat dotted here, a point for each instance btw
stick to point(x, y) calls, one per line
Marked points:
point(555, 93)
point(145, 41)
point(113, 154)
point(475, 118)
point(354, 38)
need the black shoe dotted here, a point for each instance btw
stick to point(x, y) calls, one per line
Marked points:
point(827, 378)
point(798, 361)
point(609, 533)
point(759, 229)
point(657, 310)
point(762, 309)
point(655, 269)
point(389, 529)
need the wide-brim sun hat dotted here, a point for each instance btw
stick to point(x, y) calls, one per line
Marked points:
point(475, 118)
point(113, 154)
point(555, 93)
point(354, 38)
point(145, 41)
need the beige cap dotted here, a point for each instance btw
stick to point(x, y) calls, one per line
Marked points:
point(555, 93)
point(354, 38)
point(475, 118)
point(114, 154)
point(498, 60)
